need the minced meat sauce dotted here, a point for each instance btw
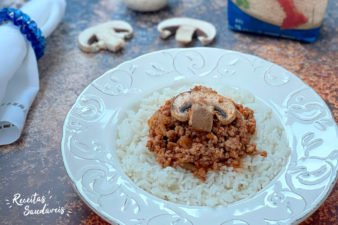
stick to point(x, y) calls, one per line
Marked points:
point(175, 143)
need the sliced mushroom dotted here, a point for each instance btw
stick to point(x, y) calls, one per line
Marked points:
point(199, 107)
point(201, 118)
point(186, 28)
point(109, 35)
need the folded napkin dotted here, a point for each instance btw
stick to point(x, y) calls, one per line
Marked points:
point(19, 77)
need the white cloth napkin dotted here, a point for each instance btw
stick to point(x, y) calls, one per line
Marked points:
point(19, 77)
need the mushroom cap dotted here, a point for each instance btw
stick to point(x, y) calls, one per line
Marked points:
point(223, 107)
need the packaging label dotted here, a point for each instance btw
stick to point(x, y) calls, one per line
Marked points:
point(279, 18)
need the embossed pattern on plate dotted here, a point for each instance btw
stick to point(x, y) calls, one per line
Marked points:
point(89, 131)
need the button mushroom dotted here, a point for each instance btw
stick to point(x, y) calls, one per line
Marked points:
point(186, 28)
point(108, 35)
point(199, 107)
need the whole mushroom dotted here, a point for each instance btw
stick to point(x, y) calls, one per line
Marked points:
point(200, 106)
point(146, 5)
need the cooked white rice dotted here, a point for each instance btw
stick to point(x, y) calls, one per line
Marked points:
point(180, 186)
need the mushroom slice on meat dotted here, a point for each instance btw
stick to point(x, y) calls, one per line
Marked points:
point(224, 108)
point(180, 106)
point(201, 117)
point(199, 107)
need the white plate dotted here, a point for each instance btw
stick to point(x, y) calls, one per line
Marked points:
point(299, 189)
